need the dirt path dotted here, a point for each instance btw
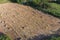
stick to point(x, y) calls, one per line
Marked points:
point(23, 22)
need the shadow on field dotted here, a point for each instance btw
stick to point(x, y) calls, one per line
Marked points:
point(43, 37)
point(46, 37)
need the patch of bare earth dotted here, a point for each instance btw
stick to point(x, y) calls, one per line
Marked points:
point(23, 22)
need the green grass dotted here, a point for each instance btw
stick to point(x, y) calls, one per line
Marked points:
point(54, 9)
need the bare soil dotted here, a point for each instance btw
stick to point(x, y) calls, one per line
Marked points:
point(23, 22)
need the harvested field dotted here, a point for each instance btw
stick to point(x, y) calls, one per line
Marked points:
point(23, 22)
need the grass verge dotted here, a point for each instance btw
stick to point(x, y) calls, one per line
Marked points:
point(54, 9)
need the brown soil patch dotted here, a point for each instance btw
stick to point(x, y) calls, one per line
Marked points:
point(25, 22)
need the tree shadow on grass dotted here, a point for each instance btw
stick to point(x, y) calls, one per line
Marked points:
point(14, 1)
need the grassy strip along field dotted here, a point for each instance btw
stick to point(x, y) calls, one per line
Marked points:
point(54, 9)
